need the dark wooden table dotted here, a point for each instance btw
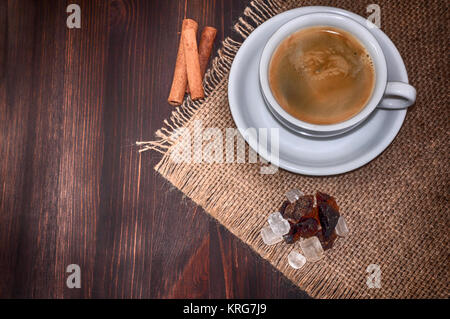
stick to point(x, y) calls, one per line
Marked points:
point(73, 188)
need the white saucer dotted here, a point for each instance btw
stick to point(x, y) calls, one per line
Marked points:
point(302, 154)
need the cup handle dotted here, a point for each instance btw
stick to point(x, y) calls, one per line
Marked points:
point(398, 95)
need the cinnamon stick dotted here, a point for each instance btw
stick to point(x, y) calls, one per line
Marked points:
point(179, 81)
point(194, 76)
point(205, 48)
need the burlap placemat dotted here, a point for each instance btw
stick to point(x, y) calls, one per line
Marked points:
point(396, 206)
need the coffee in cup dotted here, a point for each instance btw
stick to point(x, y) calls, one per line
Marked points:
point(321, 75)
point(336, 104)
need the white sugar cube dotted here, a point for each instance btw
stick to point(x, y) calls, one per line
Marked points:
point(312, 249)
point(293, 195)
point(296, 260)
point(341, 227)
point(269, 237)
point(281, 227)
point(275, 218)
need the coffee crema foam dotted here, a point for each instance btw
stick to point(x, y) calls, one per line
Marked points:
point(321, 75)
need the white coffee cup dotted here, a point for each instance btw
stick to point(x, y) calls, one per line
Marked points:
point(387, 95)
